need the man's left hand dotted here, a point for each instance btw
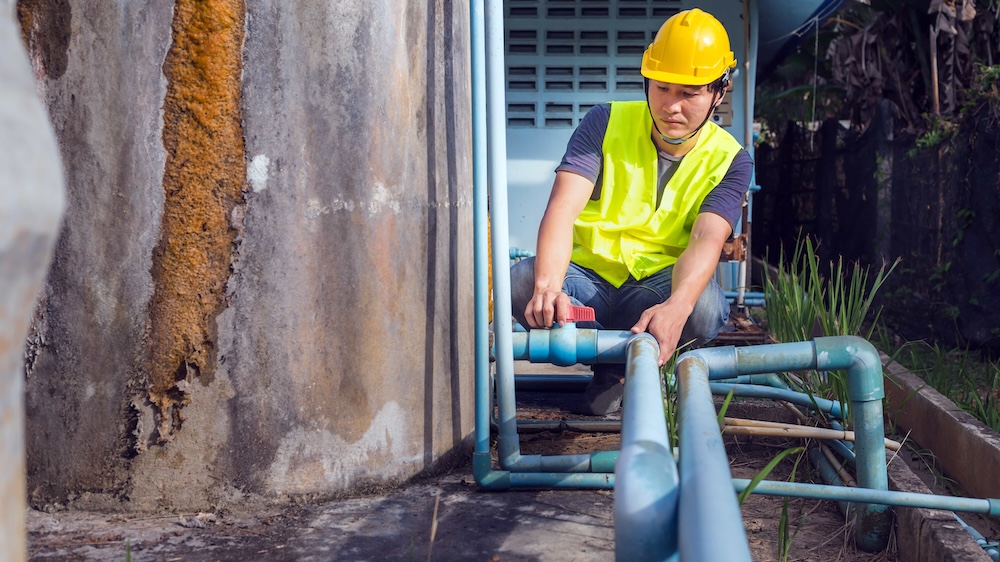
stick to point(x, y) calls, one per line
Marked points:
point(663, 321)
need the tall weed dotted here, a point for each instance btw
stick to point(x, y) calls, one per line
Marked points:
point(803, 304)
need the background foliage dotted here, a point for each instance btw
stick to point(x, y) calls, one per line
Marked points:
point(862, 152)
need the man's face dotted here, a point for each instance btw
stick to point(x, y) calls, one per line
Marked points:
point(679, 109)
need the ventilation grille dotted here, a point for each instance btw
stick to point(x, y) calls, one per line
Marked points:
point(565, 56)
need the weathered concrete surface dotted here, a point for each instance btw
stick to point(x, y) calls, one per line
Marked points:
point(928, 535)
point(87, 353)
point(348, 336)
point(523, 526)
point(299, 323)
point(968, 451)
point(31, 203)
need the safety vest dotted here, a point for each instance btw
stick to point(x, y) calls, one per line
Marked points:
point(623, 232)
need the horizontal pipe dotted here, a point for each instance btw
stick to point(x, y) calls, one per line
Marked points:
point(747, 300)
point(584, 426)
point(601, 461)
point(568, 345)
point(552, 383)
point(582, 480)
point(496, 480)
point(797, 398)
point(765, 379)
point(989, 507)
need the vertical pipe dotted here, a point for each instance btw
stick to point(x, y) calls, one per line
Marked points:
point(508, 446)
point(479, 228)
point(866, 391)
point(708, 509)
point(646, 482)
point(741, 288)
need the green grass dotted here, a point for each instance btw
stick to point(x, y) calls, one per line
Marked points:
point(972, 383)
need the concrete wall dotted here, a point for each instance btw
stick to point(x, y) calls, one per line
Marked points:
point(264, 281)
point(31, 202)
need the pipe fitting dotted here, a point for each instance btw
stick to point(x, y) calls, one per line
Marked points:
point(486, 477)
point(835, 351)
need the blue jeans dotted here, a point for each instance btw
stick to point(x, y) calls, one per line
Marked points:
point(619, 309)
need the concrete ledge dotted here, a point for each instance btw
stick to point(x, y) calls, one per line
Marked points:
point(928, 535)
point(968, 451)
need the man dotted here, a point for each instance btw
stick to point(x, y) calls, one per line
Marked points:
point(643, 201)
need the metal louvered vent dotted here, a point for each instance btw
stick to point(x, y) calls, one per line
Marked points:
point(565, 56)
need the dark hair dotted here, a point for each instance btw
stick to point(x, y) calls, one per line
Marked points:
point(720, 83)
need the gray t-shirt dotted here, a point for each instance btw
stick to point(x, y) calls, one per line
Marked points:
point(584, 156)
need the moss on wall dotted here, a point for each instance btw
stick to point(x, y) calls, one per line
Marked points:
point(204, 180)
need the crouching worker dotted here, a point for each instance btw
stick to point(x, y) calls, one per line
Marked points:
point(645, 197)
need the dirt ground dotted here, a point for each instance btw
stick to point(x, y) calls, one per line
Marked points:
point(557, 525)
point(466, 523)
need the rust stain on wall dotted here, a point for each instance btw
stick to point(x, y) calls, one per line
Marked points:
point(204, 180)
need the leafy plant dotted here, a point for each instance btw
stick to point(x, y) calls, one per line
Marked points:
point(802, 303)
point(725, 408)
point(785, 537)
point(669, 381)
point(762, 474)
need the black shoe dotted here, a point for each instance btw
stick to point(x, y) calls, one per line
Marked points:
point(602, 397)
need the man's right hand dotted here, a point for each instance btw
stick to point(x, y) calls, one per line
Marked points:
point(546, 308)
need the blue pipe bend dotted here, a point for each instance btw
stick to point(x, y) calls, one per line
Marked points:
point(865, 388)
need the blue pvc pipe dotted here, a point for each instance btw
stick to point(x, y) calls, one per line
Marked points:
point(990, 548)
point(508, 444)
point(829, 475)
point(861, 495)
point(562, 383)
point(569, 345)
point(584, 426)
point(709, 510)
point(766, 379)
point(749, 298)
point(843, 450)
point(479, 231)
point(646, 496)
point(865, 390)
point(797, 398)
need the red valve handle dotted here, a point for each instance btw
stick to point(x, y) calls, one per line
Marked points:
point(581, 314)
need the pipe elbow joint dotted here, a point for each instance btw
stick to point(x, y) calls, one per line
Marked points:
point(721, 361)
point(864, 366)
point(486, 477)
point(635, 339)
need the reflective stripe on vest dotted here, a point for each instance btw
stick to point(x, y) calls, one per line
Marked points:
point(623, 233)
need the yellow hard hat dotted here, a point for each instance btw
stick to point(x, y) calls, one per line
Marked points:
point(691, 48)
